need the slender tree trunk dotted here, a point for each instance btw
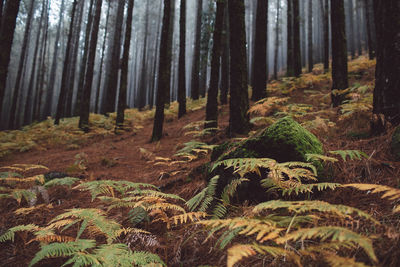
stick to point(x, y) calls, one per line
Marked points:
point(358, 28)
point(124, 67)
point(296, 39)
point(212, 97)
point(326, 35)
point(170, 45)
point(87, 89)
point(156, 60)
point(103, 49)
point(339, 52)
point(143, 85)
point(164, 74)
point(350, 19)
point(260, 52)
point(239, 100)
point(1, 11)
point(387, 85)
point(196, 58)
point(63, 90)
point(370, 29)
point(276, 49)
point(53, 73)
point(290, 48)
point(310, 36)
point(82, 68)
point(225, 59)
point(111, 87)
point(22, 63)
point(182, 61)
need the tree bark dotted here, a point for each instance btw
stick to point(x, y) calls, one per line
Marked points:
point(212, 97)
point(87, 89)
point(290, 52)
point(339, 52)
point(239, 100)
point(182, 61)
point(196, 58)
point(225, 59)
point(276, 49)
point(326, 35)
point(310, 36)
point(370, 29)
point(296, 39)
point(164, 74)
point(260, 52)
point(124, 67)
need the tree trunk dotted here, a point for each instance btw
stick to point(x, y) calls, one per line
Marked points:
point(143, 71)
point(63, 89)
point(225, 59)
point(310, 36)
point(290, 57)
point(296, 39)
point(212, 97)
point(370, 29)
point(387, 85)
point(350, 20)
point(339, 52)
point(276, 49)
point(239, 100)
point(164, 74)
point(53, 72)
point(182, 61)
point(22, 63)
point(124, 67)
point(10, 14)
point(170, 45)
point(196, 58)
point(87, 89)
point(359, 27)
point(260, 52)
point(326, 35)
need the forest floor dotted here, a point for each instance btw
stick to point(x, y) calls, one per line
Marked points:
point(129, 156)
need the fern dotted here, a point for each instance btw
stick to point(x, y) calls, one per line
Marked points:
point(352, 154)
point(66, 181)
point(337, 261)
point(205, 197)
point(313, 157)
point(9, 235)
point(141, 258)
point(308, 188)
point(389, 192)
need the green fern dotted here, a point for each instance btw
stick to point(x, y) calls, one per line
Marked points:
point(67, 181)
point(351, 154)
point(9, 235)
point(308, 188)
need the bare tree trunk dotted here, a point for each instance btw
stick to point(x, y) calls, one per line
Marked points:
point(296, 39)
point(143, 85)
point(63, 89)
point(370, 29)
point(225, 59)
point(196, 58)
point(87, 89)
point(276, 49)
point(310, 36)
point(290, 52)
point(326, 35)
point(182, 61)
point(124, 67)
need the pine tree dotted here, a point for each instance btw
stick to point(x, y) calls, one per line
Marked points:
point(195, 90)
point(296, 39)
point(182, 61)
point(290, 48)
point(310, 36)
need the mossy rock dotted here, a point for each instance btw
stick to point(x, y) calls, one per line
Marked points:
point(395, 144)
point(285, 140)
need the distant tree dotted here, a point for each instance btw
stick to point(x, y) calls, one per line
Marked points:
point(339, 52)
point(112, 84)
point(9, 19)
point(276, 48)
point(370, 29)
point(64, 79)
point(387, 85)
point(53, 72)
point(164, 74)
point(310, 36)
point(225, 59)
point(124, 67)
point(359, 25)
point(22, 62)
point(260, 52)
point(290, 48)
point(143, 70)
point(1, 11)
point(325, 11)
point(351, 36)
point(87, 89)
point(296, 39)
point(182, 61)
point(212, 97)
point(239, 100)
point(195, 90)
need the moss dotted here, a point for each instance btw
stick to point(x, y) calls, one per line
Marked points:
point(395, 144)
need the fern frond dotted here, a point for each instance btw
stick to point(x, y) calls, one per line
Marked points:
point(352, 154)
point(25, 211)
point(195, 201)
point(313, 157)
point(10, 233)
point(189, 216)
point(389, 192)
point(337, 261)
point(238, 252)
point(334, 234)
point(142, 258)
point(308, 188)
point(66, 181)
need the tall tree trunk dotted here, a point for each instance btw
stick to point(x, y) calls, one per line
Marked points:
point(124, 67)
point(290, 52)
point(326, 35)
point(370, 29)
point(212, 97)
point(111, 87)
point(225, 59)
point(387, 85)
point(103, 49)
point(276, 49)
point(196, 58)
point(87, 89)
point(359, 27)
point(310, 36)
point(1, 11)
point(170, 45)
point(164, 74)
point(239, 100)
point(350, 20)
point(143, 85)
point(82, 68)
point(296, 39)
point(260, 52)
point(53, 72)
point(339, 52)
point(63, 89)
point(22, 63)
point(182, 61)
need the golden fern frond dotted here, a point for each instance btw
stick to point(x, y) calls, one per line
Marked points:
point(337, 261)
point(313, 157)
point(305, 206)
point(389, 192)
point(238, 252)
point(61, 223)
point(308, 188)
point(25, 211)
point(10, 233)
point(334, 234)
point(53, 238)
point(37, 178)
point(24, 167)
point(188, 216)
point(129, 230)
point(277, 252)
point(164, 207)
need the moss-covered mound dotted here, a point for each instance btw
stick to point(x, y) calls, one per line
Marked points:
point(286, 140)
point(395, 144)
